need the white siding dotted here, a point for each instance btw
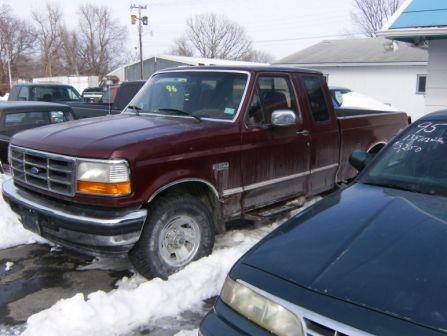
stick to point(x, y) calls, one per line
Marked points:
point(395, 85)
point(437, 76)
point(78, 82)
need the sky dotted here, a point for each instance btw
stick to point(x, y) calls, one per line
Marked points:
point(279, 27)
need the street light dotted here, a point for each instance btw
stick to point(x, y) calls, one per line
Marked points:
point(141, 21)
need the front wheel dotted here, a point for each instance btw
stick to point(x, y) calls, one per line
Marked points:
point(179, 229)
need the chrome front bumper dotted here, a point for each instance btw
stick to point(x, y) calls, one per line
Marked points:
point(86, 230)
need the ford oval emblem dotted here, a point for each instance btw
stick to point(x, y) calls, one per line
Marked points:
point(34, 170)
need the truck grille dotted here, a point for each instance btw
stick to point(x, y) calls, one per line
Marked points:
point(52, 172)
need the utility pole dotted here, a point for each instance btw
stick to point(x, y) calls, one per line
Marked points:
point(8, 53)
point(142, 20)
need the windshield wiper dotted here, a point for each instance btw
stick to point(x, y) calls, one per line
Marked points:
point(136, 108)
point(179, 112)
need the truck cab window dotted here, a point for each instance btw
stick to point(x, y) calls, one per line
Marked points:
point(25, 118)
point(51, 93)
point(23, 93)
point(271, 93)
point(317, 101)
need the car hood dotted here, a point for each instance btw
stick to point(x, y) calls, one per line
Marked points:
point(102, 136)
point(379, 248)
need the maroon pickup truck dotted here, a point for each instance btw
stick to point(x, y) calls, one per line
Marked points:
point(194, 149)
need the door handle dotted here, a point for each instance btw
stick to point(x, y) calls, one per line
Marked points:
point(303, 133)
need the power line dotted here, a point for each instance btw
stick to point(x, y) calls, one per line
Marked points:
point(303, 38)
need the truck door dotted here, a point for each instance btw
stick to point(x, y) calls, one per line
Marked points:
point(325, 139)
point(275, 160)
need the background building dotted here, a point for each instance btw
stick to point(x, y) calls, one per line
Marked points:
point(156, 63)
point(423, 23)
point(392, 73)
point(78, 82)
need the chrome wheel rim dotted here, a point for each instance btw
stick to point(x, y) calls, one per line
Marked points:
point(179, 241)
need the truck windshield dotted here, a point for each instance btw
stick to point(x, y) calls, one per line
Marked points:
point(415, 161)
point(216, 95)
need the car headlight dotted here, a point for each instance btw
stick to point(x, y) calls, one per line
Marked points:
point(260, 310)
point(108, 178)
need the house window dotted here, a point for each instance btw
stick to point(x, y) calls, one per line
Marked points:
point(421, 85)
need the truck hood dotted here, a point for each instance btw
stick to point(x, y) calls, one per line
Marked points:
point(379, 248)
point(100, 137)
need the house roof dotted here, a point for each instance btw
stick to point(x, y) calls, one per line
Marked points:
point(417, 19)
point(357, 52)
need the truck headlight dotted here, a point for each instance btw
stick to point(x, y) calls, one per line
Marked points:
point(109, 178)
point(260, 310)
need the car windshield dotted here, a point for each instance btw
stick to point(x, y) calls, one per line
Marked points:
point(201, 94)
point(415, 161)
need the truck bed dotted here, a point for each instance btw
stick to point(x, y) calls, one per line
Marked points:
point(351, 112)
point(88, 110)
point(363, 129)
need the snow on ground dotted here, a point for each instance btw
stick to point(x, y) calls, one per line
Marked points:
point(12, 232)
point(187, 333)
point(358, 100)
point(137, 301)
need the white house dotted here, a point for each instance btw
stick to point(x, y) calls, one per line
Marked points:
point(393, 73)
point(423, 23)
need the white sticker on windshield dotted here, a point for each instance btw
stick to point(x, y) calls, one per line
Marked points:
point(424, 134)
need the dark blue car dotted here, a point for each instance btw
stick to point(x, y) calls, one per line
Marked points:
point(370, 259)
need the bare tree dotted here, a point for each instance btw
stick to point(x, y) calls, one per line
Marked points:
point(213, 36)
point(182, 47)
point(370, 15)
point(49, 26)
point(69, 53)
point(101, 39)
point(259, 56)
point(16, 45)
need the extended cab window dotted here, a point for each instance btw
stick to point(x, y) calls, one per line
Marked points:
point(205, 94)
point(271, 93)
point(317, 99)
point(25, 118)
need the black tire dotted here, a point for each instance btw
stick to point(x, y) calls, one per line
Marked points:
point(146, 256)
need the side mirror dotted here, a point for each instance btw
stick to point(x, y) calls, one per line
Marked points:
point(283, 118)
point(359, 159)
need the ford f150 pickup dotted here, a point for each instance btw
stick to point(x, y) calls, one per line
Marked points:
point(195, 148)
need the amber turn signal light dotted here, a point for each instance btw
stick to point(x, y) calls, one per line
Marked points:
point(101, 188)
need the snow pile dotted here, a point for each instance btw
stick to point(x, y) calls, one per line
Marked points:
point(361, 101)
point(138, 302)
point(12, 231)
